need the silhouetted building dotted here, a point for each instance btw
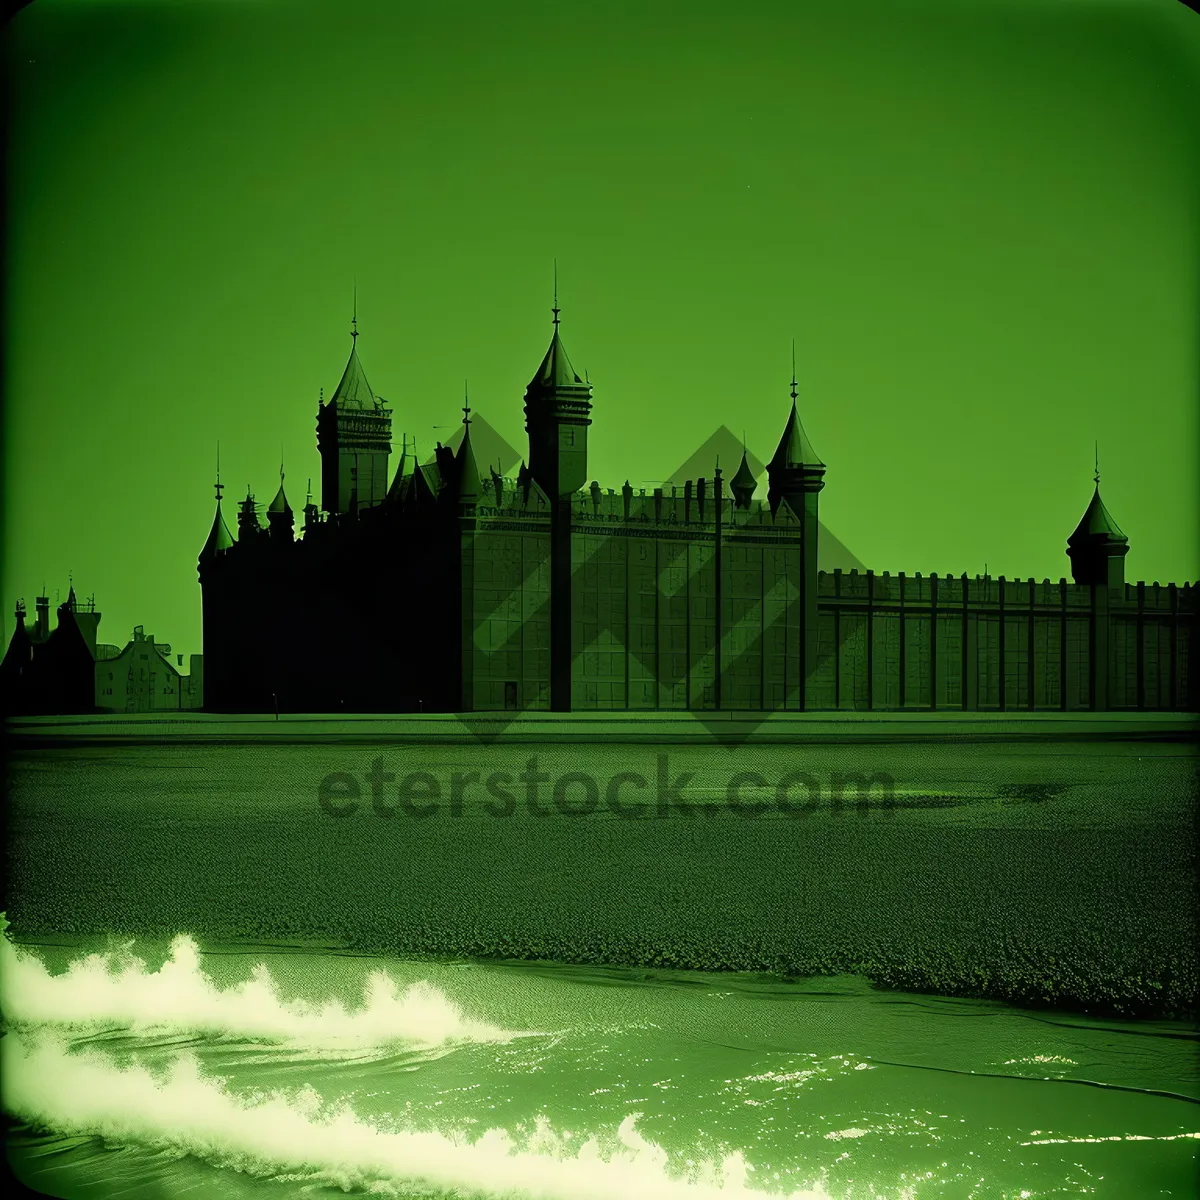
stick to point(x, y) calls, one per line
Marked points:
point(65, 670)
point(452, 589)
point(51, 670)
point(142, 678)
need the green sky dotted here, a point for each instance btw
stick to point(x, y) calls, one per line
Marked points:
point(978, 220)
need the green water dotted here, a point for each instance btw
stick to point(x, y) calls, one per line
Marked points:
point(276, 1071)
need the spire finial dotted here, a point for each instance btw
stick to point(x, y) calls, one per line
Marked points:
point(354, 316)
point(555, 309)
point(793, 370)
point(1097, 474)
point(466, 405)
point(308, 498)
point(281, 464)
point(219, 484)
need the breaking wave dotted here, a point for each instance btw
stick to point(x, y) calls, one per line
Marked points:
point(115, 989)
point(295, 1135)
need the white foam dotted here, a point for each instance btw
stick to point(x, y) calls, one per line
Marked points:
point(115, 989)
point(296, 1135)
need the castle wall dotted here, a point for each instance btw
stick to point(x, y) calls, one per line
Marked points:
point(997, 644)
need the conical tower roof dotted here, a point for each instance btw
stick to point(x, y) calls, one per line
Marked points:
point(744, 479)
point(467, 469)
point(354, 391)
point(794, 449)
point(219, 537)
point(280, 503)
point(556, 370)
point(1096, 524)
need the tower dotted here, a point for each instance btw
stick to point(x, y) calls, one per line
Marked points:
point(557, 408)
point(280, 519)
point(249, 522)
point(796, 476)
point(354, 437)
point(1097, 552)
point(1097, 548)
point(467, 485)
point(557, 415)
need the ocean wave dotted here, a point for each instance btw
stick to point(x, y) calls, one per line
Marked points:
point(115, 989)
point(296, 1135)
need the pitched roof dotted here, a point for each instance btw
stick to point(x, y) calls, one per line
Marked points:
point(1096, 522)
point(219, 537)
point(353, 391)
point(794, 449)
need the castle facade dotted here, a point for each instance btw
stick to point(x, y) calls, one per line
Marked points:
point(437, 587)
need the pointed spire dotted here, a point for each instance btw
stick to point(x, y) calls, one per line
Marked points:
point(743, 483)
point(219, 538)
point(794, 449)
point(280, 503)
point(464, 461)
point(556, 370)
point(354, 391)
point(1097, 547)
point(1096, 524)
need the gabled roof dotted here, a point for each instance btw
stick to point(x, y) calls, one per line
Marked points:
point(219, 537)
point(1096, 523)
point(794, 449)
point(353, 391)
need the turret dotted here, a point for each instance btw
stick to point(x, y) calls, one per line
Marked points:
point(466, 470)
point(557, 407)
point(219, 538)
point(41, 622)
point(249, 522)
point(354, 437)
point(795, 470)
point(312, 514)
point(1097, 548)
point(796, 475)
point(280, 519)
point(743, 484)
point(557, 415)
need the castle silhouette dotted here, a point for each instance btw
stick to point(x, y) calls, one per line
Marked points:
point(444, 588)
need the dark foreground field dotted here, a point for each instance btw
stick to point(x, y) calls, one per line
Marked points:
point(1047, 873)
